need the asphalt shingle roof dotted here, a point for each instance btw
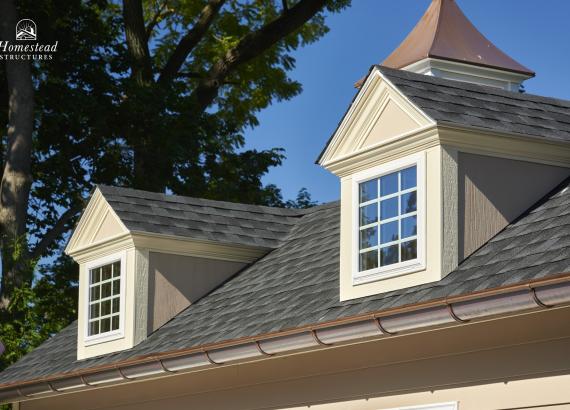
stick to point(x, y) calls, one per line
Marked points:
point(297, 284)
point(203, 219)
point(471, 105)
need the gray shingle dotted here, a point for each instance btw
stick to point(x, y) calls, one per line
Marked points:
point(474, 105)
point(297, 285)
point(203, 219)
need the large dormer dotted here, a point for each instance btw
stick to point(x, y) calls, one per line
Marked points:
point(145, 257)
point(432, 164)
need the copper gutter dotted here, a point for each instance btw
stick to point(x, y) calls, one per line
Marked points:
point(376, 317)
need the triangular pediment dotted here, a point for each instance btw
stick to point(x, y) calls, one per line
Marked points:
point(379, 114)
point(98, 224)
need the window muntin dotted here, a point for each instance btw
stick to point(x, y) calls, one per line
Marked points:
point(104, 310)
point(388, 219)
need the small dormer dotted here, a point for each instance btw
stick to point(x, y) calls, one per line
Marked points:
point(144, 257)
point(446, 44)
point(433, 164)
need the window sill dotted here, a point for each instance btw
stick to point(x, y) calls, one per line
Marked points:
point(107, 337)
point(387, 272)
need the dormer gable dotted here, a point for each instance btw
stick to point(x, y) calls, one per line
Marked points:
point(478, 158)
point(144, 257)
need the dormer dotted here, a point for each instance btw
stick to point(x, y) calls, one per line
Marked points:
point(144, 257)
point(432, 166)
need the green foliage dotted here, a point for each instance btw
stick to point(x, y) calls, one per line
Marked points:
point(38, 311)
point(96, 125)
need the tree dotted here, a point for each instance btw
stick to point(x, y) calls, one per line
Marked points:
point(148, 94)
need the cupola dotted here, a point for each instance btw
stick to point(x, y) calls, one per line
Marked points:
point(446, 44)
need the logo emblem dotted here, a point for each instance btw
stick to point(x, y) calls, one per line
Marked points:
point(26, 30)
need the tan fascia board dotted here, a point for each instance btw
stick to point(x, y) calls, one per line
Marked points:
point(199, 248)
point(467, 139)
point(359, 103)
point(506, 301)
point(170, 244)
point(479, 140)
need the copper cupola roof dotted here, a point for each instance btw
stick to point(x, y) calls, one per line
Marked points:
point(444, 32)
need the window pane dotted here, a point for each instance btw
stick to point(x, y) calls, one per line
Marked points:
point(106, 290)
point(368, 260)
point(389, 208)
point(409, 202)
point(408, 178)
point(368, 190)
point(389, 232)
point(389, 255)
point(105, 325)
point(95, 275)
point(368, 214)
point(106, 272)
point(369, 237)
point(409, 227)
point(116, 269)
point(94, 328)
point(106, 308)
point(409, 250)
point(389, 184)
point(94, 311)
point(116, 287)
point(115, 323)
point(94, 293)
point(116, 305)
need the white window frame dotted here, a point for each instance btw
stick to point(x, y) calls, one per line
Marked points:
point(400, 268)
point(114, 334)
point(437, 406)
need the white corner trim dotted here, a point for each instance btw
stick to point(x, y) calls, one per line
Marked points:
point(401, 268)
point(116, 334)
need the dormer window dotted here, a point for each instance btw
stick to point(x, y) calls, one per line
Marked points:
point(105, 299)
point(389, 220)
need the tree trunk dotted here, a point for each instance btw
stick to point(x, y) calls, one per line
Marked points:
point(17, 177)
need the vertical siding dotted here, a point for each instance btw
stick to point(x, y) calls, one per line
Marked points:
point(495, 191)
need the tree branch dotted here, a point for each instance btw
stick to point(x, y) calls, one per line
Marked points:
point(58, 229)
point(137, 41)
point(251, 46)
point(190, 40)
point(154, 21)
point(285, 6)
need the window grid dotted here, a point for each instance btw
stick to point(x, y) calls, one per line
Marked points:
point(104, 299)
point(399, 218)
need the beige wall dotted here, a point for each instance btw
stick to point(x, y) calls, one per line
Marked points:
point(494, 191)
point(176, 281)
point(518, 362)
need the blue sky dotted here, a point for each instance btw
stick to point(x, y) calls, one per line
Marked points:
point(536, 33)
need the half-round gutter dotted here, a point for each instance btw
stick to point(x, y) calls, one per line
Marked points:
point(536, 295)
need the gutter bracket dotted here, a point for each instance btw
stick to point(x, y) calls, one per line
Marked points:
point(538, 302)
point(210, 359)
point(454, 315)
point(319, 341)
point(164, 367)
point(382, 328)
point(260, 349)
